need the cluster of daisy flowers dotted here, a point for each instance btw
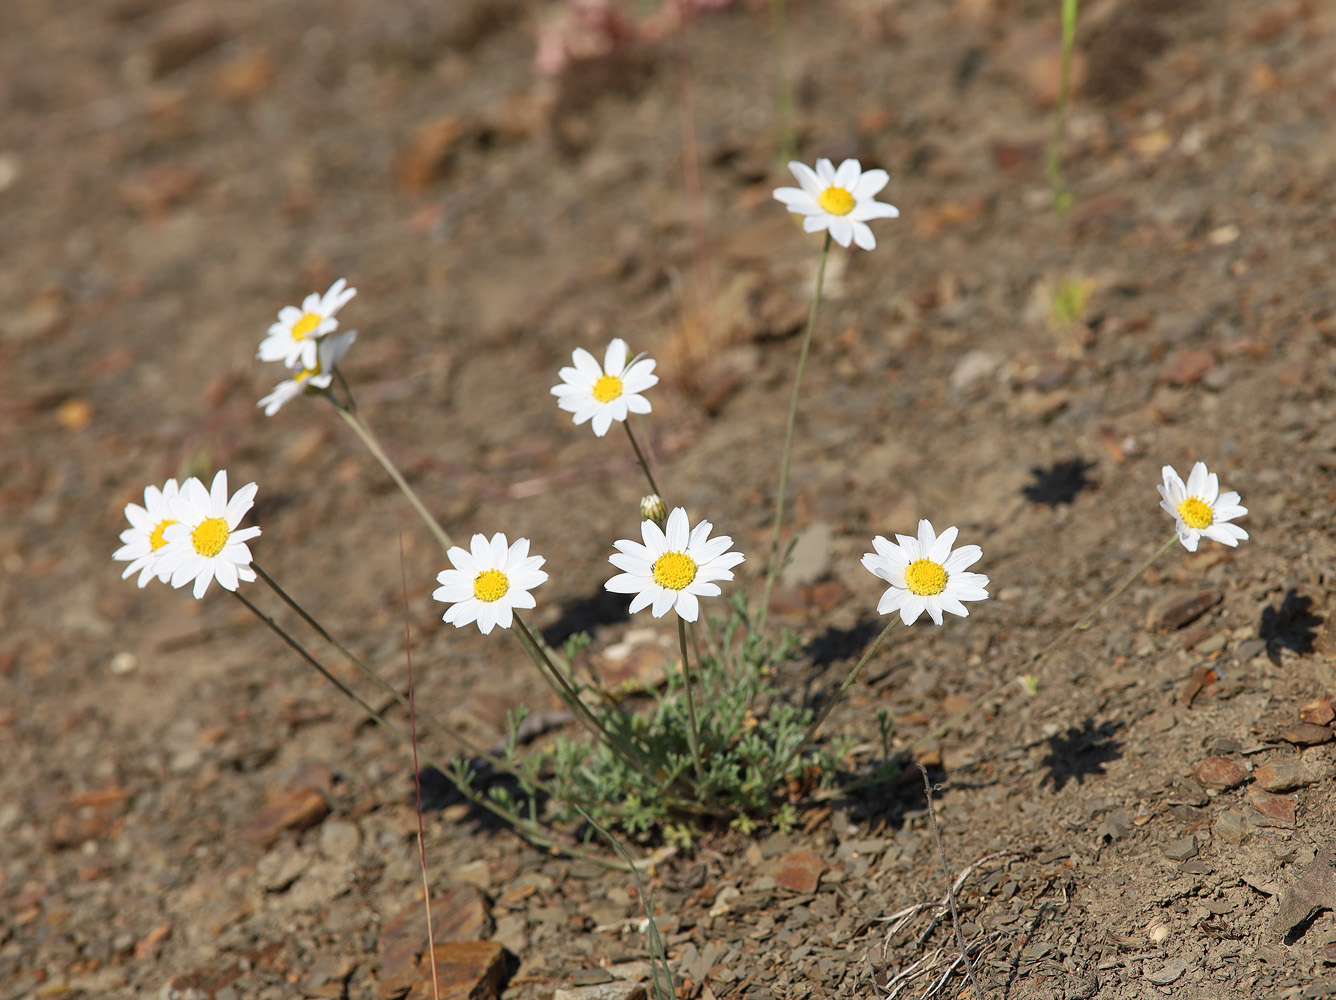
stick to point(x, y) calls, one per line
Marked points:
point(303, 340)
point(187, 533)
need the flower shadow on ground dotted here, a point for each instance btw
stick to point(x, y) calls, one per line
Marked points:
point(1059, 483)
point(1291, 626)
point(1081, 751)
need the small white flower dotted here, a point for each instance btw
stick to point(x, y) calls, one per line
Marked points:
point(1200, 509)
point(925, 575)
point(671, 570)
point(489, 581)
point(838, 200)
point(292, 340)
point(143, 540)
point(331, 351)
point(204, 544)
point(606, 392)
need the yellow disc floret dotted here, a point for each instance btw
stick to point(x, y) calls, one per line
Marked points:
point(490, 585)
point(155, 539)
point(305, 325)
point(674, 570)
point(209, 536)
point(607, 388)
point(1196, 514)
point(925, 577)
point(836, 201)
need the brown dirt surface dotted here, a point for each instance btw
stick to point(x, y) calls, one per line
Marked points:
point(187, 811)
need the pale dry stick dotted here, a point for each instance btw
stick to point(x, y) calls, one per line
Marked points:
point(950, 888)
point(417, 776)
point(902, 980)
point(773, 570)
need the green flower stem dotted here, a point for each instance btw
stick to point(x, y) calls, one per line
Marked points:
point(497, 762)
point(640, 457)
point(778, 773)
point(779, 34)
point(1061, 198)
point(773, 571)
point(567, 693)
point(693, 730)
point(528, 829)
point(1080, 626)
point(353, 417)
point(1085, 622)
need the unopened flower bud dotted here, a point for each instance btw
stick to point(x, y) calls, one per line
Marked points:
point(653, 509)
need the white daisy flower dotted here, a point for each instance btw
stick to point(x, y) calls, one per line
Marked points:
point(673, 568)
point(143, 540)
point(838, 200)
point(330, 352)
point(1200, 509)
point(205, 545)
point(607, 392)
point(489, 581)
point(292, 340)
point(925, 575)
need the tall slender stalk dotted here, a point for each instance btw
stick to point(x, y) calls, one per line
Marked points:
point(773, 570)
point(693, 729)
point(640, 457)
point(1061, 198)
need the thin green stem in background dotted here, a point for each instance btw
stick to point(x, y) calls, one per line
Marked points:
point(773, 569)
point(779, 39)
point(1062, 199)
point(354, 419)
point(778, 773)
point(1080, 626)
point(640, 457)
point(693, 730)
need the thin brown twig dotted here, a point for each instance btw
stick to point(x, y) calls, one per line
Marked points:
point(417, 777)
point(950, 887)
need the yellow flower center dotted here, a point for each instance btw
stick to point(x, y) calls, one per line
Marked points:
point(490, 585)
point(607, 388)
point(305, 325)
point(155, 539)
point(1196, 514)
point(925, 577)
point(836, 201)
point(209, 536)
point(674, 570)
point(305, 373)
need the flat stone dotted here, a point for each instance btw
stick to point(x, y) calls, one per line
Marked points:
point(616, 990)
point(1183, 611)
point(1272, 810)
point(1306, 734)
point(1169, 972)
point(1220, 773)
point(1182, 849)
point(466, 970)
point(799, 871)
point(1233, 826)
point(1318, 713)
point(297, 804)
point(458, 914)
point(1282, 775)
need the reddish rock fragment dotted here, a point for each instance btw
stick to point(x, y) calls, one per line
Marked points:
point(466, 970)
point(297, 804)
point(1220, 772)
point(1318, 713)
point(1187, 366)
point(1183, 612)
point(799, 871)
point(1272, 810)
point(1282, 776)
point(458, 914)
point(1305, 734)
point(425, 159)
